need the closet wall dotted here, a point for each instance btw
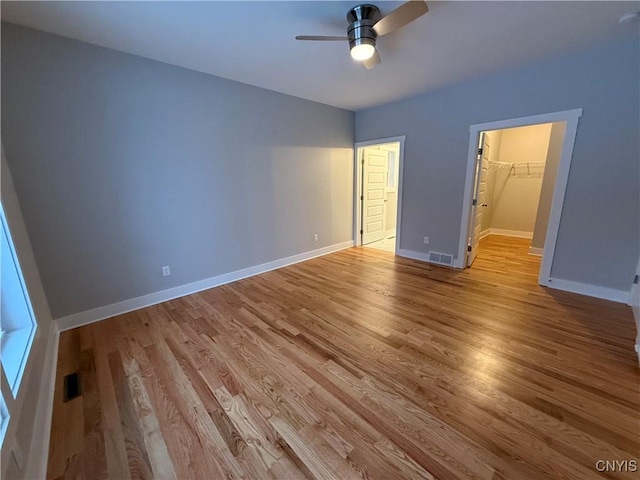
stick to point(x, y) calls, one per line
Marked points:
point(554, 153)
point(516, 170)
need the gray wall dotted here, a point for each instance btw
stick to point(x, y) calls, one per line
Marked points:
point(556, 140)
point(598, 241)
point(123, 164)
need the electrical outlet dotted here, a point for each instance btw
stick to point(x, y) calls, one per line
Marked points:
point(315, 237)
point(166, 271)
point(426, 240)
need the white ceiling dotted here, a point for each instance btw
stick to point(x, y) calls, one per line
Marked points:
point(253, 42)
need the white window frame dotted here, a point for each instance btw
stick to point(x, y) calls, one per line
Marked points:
point(18, 340)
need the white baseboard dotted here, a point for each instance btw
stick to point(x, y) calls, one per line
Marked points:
point(536, 251)
point(390, 233)
point(107, 311)
point(606, 293)
point(39, 449)
point(510, 233)
point(485, 233)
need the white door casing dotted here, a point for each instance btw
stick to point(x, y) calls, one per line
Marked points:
point(479, 197)
point(571, 118)
point(374, 183)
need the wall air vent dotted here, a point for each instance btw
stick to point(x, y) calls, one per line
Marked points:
point(441, 258)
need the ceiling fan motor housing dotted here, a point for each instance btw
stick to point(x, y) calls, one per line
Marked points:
point(361, 20)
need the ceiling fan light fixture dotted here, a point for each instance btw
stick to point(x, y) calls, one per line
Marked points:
point(363, 51)
point(366, 24)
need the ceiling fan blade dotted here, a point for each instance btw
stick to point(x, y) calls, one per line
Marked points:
point(405, 13)
point(321, 38)
point(373, 61)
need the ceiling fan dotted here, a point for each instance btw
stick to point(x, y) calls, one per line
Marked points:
point(366, 24)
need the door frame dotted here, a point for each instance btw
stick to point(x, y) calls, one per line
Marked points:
point(357, 186)
point(571, 117)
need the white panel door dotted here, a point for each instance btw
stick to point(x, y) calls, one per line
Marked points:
point(479, 197)
point(374, 184)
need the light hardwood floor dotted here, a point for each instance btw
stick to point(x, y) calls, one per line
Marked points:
point(358, 364)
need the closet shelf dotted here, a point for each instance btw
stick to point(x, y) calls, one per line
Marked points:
point(517, 164)
point(520, 166)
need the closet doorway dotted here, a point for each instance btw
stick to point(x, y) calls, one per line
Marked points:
point(516, 179)
point(514, 183)
point(378, 193)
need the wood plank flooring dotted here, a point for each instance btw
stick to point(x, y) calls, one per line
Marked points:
point(357, 364)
